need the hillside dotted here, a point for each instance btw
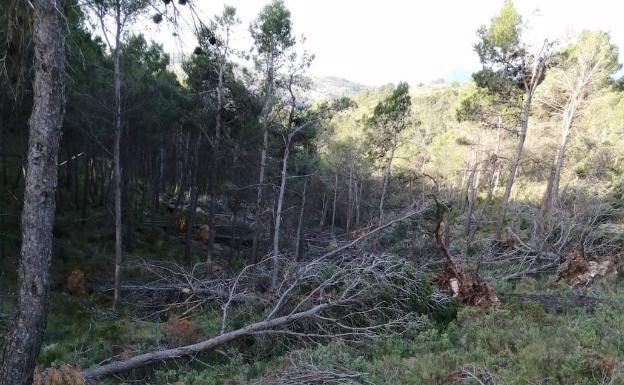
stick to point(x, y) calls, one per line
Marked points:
point(234, 220)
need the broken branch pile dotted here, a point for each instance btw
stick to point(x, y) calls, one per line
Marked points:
point(342, 298)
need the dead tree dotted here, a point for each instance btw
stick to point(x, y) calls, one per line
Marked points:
point(339, 298)
point(591, 61)
point(295, 78)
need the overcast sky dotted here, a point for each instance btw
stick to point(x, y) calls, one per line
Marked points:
point(377, 42)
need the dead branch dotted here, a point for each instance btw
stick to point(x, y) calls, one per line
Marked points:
point(368, 234)
point(301, 371)
point(474, 374)
point(346, 298)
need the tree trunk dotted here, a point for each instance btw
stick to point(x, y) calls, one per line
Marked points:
point(359, 204)
point(350, 199)
point(334, 205)
point(552, 188)
point(300, 223)
point(323, 211)
point(513, 166)
point(117, 158)
point(475, 179)
point(141, 360)
point(85, 186)
point(216, 148)
point(23, 340)
point(183, 171)
point(387, 174)
point(3, 149)
point(191, 214)
point(266, 111)
point(3, 178)
point(278, 215)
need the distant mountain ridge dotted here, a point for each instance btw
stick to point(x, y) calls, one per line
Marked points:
point(331, 87)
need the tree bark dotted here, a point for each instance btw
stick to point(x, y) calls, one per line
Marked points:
point(278, 215)
point(513, 167)
point(266, 112)
point(183, 171)
point(334, 205)
point(216, 148)
point(323, 210)
point(117, 156)
point(24, 337)
point(475, 179)
point(350, 199)
point(300, 223)
point(190, 218)
point(3, 176)
point(184, 351)
point(387, 174)
point(552, 188)
point(358, 204)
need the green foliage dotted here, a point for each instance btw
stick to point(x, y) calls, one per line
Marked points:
point(500, 43)
point(390, 117)
point(272, 31)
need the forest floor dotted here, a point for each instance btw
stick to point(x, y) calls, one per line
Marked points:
point(520, 342)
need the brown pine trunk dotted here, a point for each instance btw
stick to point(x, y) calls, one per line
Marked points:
point(23, 340)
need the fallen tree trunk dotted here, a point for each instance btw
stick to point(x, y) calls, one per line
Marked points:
point(209, 344)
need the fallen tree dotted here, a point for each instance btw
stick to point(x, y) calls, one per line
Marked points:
point(165, 286)
point(342, 298)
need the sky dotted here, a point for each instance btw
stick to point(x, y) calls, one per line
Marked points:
point(379, 42)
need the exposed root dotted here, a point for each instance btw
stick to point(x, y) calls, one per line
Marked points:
point(579, 270)
point(469, 290)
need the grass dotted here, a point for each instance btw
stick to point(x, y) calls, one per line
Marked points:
point(520, 344)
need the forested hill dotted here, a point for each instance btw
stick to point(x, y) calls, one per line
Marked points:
point(235, 220)
point(328, 87)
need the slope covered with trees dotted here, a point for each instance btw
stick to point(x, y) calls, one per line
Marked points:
point(238, 221)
